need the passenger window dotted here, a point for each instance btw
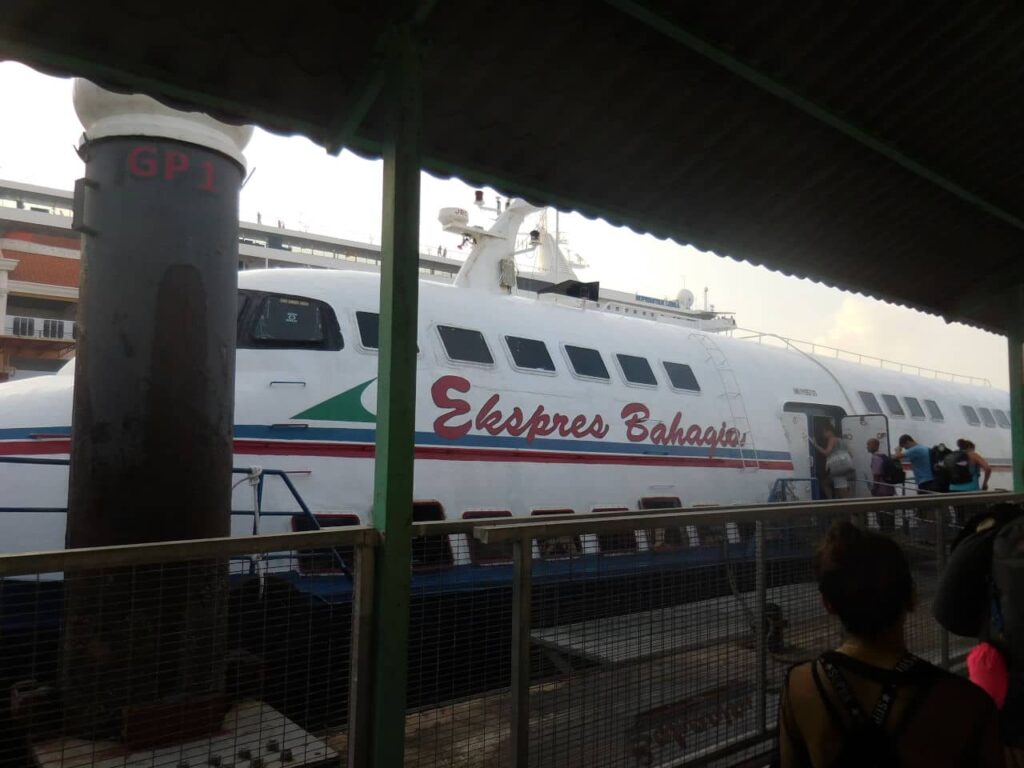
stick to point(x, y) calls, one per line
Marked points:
point(870, 402)
point(971, 416)
point(914, 406)
point(369, 329)
point(530, 354)
point(893, 404)
point(681, 377)
point(429, 552)
point(292, 322)
point(637, 370)
point(615, 543)
point(1002, 418)
point(587, 362)
point(986, 417)
point(934, 411)
point(323, 560)
point(465, 345)
point(557, 547)
point(488, 554)
point(663, 539)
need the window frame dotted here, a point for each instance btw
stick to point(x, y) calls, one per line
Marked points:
point(907, 399)
point(455, 361)
point(672, 385)
point(615, 552)
point(475, 544)
point(982, 410)
point(937, 409)
point(684, 535)
point(443, 538)
point(873, 396)
point(973, 421)
point(304, 558)
point(577, 540)
point(629, 382)
point(1003, 418)
point(333, 341)
point(583, 376)
point(888, 406)
point(512, 359)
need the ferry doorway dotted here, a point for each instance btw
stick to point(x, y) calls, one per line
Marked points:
point(802, 422)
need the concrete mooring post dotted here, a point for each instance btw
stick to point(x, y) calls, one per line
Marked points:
point(153, 408)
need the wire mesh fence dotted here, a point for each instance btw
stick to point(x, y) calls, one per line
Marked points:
point(216, 652)
point(615, 639)
point(655, 657)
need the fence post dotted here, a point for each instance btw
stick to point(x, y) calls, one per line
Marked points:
point(761, 590)
point(360, 687)
point(522, 554)
point(941, 515)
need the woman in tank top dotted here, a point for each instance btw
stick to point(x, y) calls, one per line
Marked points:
point(870, 702)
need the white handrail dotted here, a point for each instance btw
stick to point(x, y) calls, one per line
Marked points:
point(819, 349)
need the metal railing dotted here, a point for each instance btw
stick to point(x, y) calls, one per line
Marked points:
point(668, 648)
point(824, 350)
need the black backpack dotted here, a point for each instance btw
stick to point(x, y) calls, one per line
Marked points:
point(937, 454)
point(867, 743)
point(981, 595)
point(958, 467)
point(892, 471)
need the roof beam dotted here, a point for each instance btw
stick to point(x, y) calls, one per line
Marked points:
point(769, 85)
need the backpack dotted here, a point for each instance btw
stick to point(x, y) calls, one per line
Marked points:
point(957, 466)
point(892, 471)
point(937, 455)
point(839, 462)
point(867, 743)
point(981, 594)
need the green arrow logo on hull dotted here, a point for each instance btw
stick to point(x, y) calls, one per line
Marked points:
point(348, 406)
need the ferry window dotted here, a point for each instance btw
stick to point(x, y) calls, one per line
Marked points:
point(586, 362)
point(971, 416)
point(681, 376)
point(914, 406)
point(369, 329)
point(615, 543)
point(986, 417)
point(637, 370)
point(292, 322)
point(323, 560)
point(530, 353)
point(557, 547)
point(934, 411)
point(664, 538)
point(870, 402)
point(488, 554)
point(893, 404)
point(465, 345)
point(1002, 418)
point(429, 552)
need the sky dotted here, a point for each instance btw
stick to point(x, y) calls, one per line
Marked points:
point(298, 183)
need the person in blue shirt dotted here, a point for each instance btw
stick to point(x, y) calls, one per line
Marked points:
point(920, 459)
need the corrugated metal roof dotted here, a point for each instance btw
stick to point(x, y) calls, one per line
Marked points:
point(873, 147)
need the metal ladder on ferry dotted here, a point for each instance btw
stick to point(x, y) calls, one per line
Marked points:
point(734, 399)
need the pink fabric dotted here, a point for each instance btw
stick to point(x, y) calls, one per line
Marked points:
point(987, 669)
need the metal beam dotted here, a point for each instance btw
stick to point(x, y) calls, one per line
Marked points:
point(769, 85)
point(1015, 342)
point(396, 399)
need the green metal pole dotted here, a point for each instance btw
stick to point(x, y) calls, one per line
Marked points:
point(1015, 340)
point(396, 403)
